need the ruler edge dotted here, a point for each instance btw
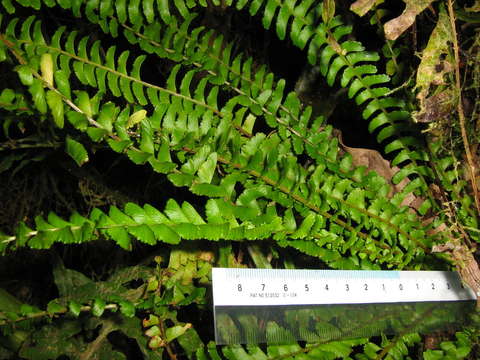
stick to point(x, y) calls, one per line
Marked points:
point(407, 273)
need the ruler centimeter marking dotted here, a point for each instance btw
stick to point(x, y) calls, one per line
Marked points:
point(272, 287)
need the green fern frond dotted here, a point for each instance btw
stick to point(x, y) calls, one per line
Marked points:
point(147, 225)
point(453, 180)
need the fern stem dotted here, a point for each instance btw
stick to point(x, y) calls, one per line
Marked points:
point(93, 347)
point(170, 352)
point(15, 145)
point(62, 311)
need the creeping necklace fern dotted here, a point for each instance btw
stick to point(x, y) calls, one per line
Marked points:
point(198, 129)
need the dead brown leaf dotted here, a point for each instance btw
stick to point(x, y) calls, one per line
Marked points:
point(374, 161)
point(442, 228)
point(396, 27)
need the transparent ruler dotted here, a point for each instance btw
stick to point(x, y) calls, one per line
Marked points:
point(277, 306)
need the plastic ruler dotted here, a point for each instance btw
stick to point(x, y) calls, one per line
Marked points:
point(271, 298)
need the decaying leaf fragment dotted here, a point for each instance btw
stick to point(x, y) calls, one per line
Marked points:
point(372, 160)
point(361, 7)
point(436, 107)
point(437, 60)
point(396, 27)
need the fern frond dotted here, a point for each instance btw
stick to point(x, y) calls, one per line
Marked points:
point(453, 182)
point(145, 224)
point(200, 167)
point(397, 348)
